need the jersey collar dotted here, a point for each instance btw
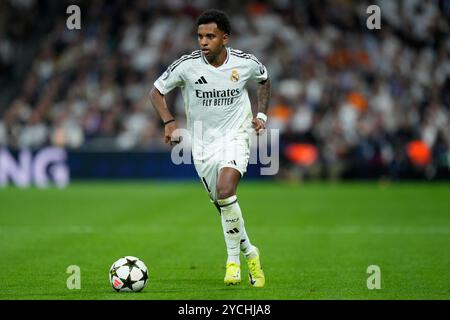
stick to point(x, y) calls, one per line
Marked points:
point(224, 63)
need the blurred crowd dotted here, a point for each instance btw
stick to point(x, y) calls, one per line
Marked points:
point(371, 100)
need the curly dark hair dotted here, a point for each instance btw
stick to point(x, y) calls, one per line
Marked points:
point(217, 16)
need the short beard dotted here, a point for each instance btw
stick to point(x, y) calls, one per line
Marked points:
point(213, 57)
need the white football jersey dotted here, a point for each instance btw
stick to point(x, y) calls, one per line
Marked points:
point(214, 98)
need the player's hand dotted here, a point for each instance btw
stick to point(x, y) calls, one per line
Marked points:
point(259, 125)
point(170, 136)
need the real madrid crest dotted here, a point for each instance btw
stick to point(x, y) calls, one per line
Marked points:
point(234, 75)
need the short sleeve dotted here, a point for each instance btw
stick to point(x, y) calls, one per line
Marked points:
point(259, 71)
point(169, 80)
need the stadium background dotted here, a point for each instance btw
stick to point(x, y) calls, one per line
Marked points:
point(350, 103)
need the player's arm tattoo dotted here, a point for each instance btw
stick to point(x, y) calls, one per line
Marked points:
point(264, 96)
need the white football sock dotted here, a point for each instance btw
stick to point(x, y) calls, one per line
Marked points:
point(231, 222)
point(246, 246)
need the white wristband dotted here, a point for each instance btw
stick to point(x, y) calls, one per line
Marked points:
point(261, 116)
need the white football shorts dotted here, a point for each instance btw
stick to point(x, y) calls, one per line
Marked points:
point(233, 154)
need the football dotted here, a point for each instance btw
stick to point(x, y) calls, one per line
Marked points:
point(128, 274)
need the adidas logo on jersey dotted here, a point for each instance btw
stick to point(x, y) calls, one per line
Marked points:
point(202, 80)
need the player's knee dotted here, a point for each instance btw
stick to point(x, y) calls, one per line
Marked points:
point(225, 192)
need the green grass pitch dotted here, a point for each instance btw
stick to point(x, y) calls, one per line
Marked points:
point(316, 240)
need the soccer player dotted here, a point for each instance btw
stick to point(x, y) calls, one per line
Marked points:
point(219, 120)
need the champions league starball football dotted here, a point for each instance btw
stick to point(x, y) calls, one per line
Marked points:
point(128, 274)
